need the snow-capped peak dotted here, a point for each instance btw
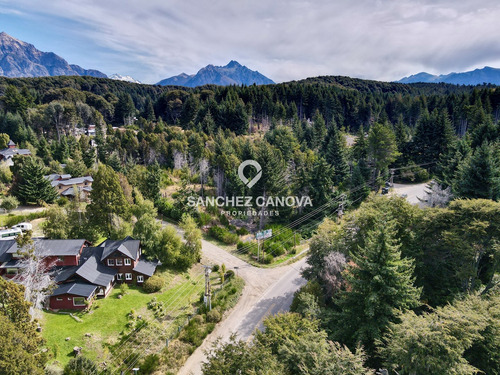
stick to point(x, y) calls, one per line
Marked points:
point(119, 77)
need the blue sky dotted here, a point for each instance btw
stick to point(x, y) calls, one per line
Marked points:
point(154, 39)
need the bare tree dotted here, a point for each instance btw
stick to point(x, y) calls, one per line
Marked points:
point(335, 263)
point(180, 160)
point(204, 167)
point(437, 196)
point(35, 273)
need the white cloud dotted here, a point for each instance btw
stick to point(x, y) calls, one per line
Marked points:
point(384, 39)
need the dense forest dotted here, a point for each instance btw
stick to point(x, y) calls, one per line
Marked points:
point(390, 285)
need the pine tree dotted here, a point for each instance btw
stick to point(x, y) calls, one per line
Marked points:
point(335, 153)
point(30, 185)
point(107, 200)
point(478, 176)
point(318, 130)
point(379, 283)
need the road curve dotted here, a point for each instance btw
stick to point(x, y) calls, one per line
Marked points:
point(266, 292)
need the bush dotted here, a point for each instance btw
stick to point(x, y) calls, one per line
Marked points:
point(123, 288)
point(242, 231)
point(204, 219)
point(62, 201)
point(223, 220)
point(229, 274)
point(16, 219)
point(5, 174)
point(214, 316)
point(153, 284)
point(215, 268)
point(268, 259)
point(80, 365)
point(222, 234)
point(150, 364)
point(276, 249)
point(9, 203)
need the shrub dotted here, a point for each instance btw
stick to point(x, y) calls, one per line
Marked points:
point(150, 364)
point(215, 268)
point(242, 231)
point(276, 249)
point(80, 365)
point(9, 203)
point(214, 316)
point(123, 289)
point(204, 219)
point(229, 274)
point(222, 234)
point(153, 284)
point(223, 220)
point(268, 259)
point(62, 201)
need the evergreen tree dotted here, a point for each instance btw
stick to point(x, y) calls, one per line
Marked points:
point(124, 109)
point(433, 137)
point(382, 147)
point(478, 176)
point(318, 130)
point(152, 180)
point(30, 186)
point(379, 284)
point(149, 112)
point(335, 153)
point(107, 200)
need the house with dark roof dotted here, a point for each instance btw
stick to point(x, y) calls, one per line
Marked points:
point(102, 267)
point(65, 185)
point(80, 271)
point(8, 153)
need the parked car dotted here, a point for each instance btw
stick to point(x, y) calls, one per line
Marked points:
point(23, 226)
point(10, 234)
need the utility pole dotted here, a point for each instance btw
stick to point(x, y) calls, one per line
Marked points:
point(208, 289)
point(340, 211)
point(258, 250)
point(392, 170)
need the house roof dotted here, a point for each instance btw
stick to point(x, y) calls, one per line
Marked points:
point(11, 143)
point(146, 267)
point(77, 289)
point(94, 272)
point(72, 181)
point(128, 247)
point(70, 192)
point(55, 247)
point(13, 263)
point(62, 274)
point(10, 152)
point(4, 248)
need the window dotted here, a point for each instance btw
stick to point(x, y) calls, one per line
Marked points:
point(140, 278)
point(119, 262)
point(60, 259)
point(59, 299)
point(119, 276)
point(101, 291)
point(128, 276)
point(78, 301)
point(127, 262)
point(111, 262)
point(11, 271)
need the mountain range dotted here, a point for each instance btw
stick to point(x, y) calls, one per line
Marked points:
point(473, 77)
point(21, 59)
point(232, 74)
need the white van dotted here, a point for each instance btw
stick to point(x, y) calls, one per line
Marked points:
point(23, 226)
point(10, 234)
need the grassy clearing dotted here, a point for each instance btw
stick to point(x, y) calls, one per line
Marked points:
point(108, 320)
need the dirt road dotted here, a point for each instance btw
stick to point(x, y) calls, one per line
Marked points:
point(266, 292)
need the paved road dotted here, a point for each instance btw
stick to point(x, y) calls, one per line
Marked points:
point(266, 292)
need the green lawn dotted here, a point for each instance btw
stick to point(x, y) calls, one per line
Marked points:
point(109, 316)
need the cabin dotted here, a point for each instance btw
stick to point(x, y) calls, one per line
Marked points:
point(81, 272)
point(8, 153)
point(65, 185)
point(102, 267)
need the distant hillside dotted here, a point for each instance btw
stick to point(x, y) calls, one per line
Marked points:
point(21, 59)
point(473, 77)
point(232, 74)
